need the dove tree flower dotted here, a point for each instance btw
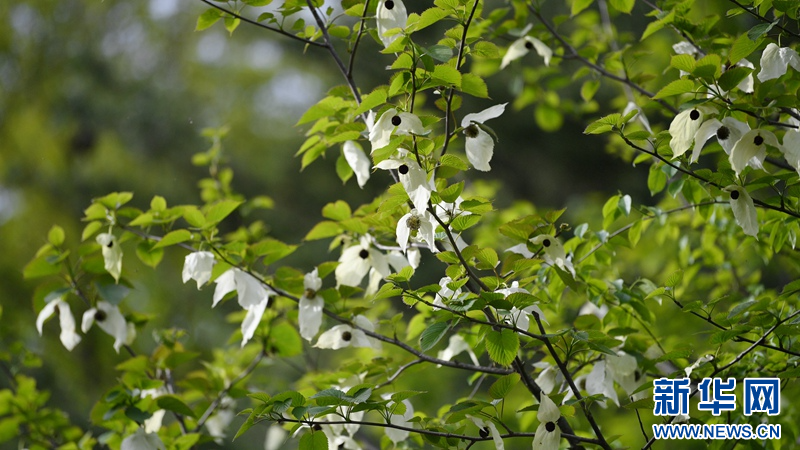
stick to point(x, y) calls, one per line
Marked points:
point(310, 306)
point(342, 336)
point(791, 148)
point(684, 127)
point(744, 211)
point(112, 254)
point(391, 123)
point(399, 419)
point(412, 176)
point(390, 14)
point(416, 227)
point(252, 296)
point(728, 132)
point(142, 440)
point(522, 46)
point(548, 435)
point(455, 346)
point(197, 266)
point(775, 61)
point(69, 338)
point(109, 319)
point(480, 144)
point(218, 423)
point(357, 260)
point(358, 161)
point(488, 426)
point(554, 253)
point(751, 149)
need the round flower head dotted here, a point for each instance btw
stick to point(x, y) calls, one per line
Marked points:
point(744, 211)
point(522, 46)
point(391, 14)
point(480, 144)
point(548, 435)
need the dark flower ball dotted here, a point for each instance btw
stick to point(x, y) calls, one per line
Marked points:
point(403, 169)
point(346, 336)
point(546, 242)
point(734, 195)
point(758, 140)
point(694, 115)
point(723, 133)
point(528, 45)
point(364, 254)
point(396, 120)
point(550, 426)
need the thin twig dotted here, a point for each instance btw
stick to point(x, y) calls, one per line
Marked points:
point(764, 19)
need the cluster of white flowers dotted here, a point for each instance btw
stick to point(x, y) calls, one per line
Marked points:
point(107, 316)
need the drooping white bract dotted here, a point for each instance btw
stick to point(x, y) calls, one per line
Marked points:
point(400, 420)
point(548, 377)
point(391, 122)
point(141, 440)
point(622, 369)
point(358, 161)
point(197, 266)
point(683, 128)
point(112, 254)
point(631, 106)
point(700, 361)
point(599, 381)
point(744, 211)
point(310, 306)
point(554, 252)
point(276, 437)
point(489, 426)
point(153, 424)
point(455, 346)
point(728, 133)
point(747, 85)
point(357, 260)
point(684, 48)
point(480, 145)
point(109, 319)
point(341, 336)
point(522, 46)
point(412, 176)
point(775, 60)
point(751, 149)
point(218, 423)
point(791, 148)
point(69, 338)
point(252, 297)
point(390, 14)
point(520, 318)
point(548, 434)
point(445, 293)
point(417, 227)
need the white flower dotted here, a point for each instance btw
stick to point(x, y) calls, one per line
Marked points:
point(746, 85)
point(547, 378)
point(520, 318)
point(728, 133)
point(112, 254)
point(791, 148)
point(391, 14)
point(401, 420)
point(109, 319)
point(522, 46)
point(456, 346)
point(276, 437)
point(488, 425)
point(631, 106)
point(357, 260)
point(700, 361)
point(357, 161)
point(480, 145)
point(391, 122)
point(744, 211)
point(445, 293)
point(683, 129)
point(554, 252)
point(141, 440)
point(752, 145)
point(197, 266)
point(548, 434)
point(339, 441)
point(153, 424)
point(252, 296)
point(775, 60)
point(222, 418)
point(591, 308)
point(344, 335)
point(599, 381)
point(69, 338)
point(418, 227)
point(622, 369)
point(310, 306)
point(412, 176)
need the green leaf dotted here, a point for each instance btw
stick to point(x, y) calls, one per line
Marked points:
point(286, 340)
point(322, 230)
point(474, 85)
point(683, 62)
point(501, 387)
point(220, 210)
point(271, 250)
point(579, 5)
point(174, 237)
point(441, 53)
point(623, 6)
point(674, 279)
point(40, 267)
point(447, 75)
point(742, 48)
point(732, 77)
point(174, 404)
point(208, 18)
point(677, 87)
point(372, 100)
point(604, 124)
point(55, 236)
point(315, 440)
point(502, 346)
point(429, 17)
point(652, 27)
point(149, 255)
point(432, 335)
point(337, 211)
point(758, 31)
point(90, 229)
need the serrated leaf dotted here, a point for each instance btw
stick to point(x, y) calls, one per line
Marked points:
point(337, 211)
point(677, 87)
point(474, 85)
point(220, 210)
point(174, 404)
point(742, 48)
point(500, 388)
point(174, 237)
point(502, 346)
point(315, 440)
point(372, 100)
point(447, 75)
point(208, 18)
point(624, 6)
point(431, 336)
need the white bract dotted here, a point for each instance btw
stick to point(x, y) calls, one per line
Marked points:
point(554, 253)
point(391, 14)
point(252, 296)
point(344, 335)
point(744, 211)
point(520, 318)
point(218, 423)
point(456, 346)
point(358, 161)
point(599, 381)
point(416, 227)
point(69, 338)
point(751, 149)
point(357, 260)
point(631, 106)
point(791, 148)
point(480, 145)
point(401, 420)
point(684, 127)
point(310, 306)
point(391, 122)
point(728, 133)
point(112, 254)
point(197, 266)
point(412, 176)
point(548, 434)
point(522, 46)
point(109, 319)
point(141, 440)
point(491, 428)
point(445, 293)
point(775, 60)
